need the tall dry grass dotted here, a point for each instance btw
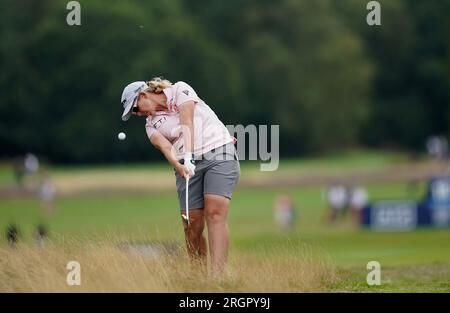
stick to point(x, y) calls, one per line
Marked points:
point(107, 267)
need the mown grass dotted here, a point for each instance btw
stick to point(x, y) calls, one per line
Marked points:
point(338, 162)
point(430, 277)
point(410, 261)
point(253, 234)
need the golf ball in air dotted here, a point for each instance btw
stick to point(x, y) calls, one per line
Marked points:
point(121, 136)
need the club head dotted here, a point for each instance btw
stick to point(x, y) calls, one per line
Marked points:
point(185, 218)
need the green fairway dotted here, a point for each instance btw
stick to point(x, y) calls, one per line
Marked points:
point(339, 162)
point(150, 217)
point(155, 216)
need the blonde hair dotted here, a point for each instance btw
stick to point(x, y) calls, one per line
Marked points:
point(157, 84)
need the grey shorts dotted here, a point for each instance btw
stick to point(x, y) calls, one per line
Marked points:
point(216, 172)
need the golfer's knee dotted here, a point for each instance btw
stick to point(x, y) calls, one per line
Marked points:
point(216, 215)
point(216, 209)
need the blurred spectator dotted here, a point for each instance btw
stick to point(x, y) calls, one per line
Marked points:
point(19, 171)
point(12, 234)
point(41, 234)
point(358, 200)
point(337, 198)
point(284, 212)
point(31, 163)
point(437, 147)
point(47, 192)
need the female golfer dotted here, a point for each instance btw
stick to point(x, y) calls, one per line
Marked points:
point(199, 147)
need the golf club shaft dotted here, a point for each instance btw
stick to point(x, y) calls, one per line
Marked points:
point(187, 199)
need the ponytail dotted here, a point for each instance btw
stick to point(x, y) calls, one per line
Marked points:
point(157, 84)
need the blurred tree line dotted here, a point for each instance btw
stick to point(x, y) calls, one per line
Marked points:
point(312, 66)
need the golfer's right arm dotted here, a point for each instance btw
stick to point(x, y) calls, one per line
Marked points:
point(164, 145)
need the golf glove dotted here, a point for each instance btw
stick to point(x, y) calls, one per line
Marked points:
point(189, 163)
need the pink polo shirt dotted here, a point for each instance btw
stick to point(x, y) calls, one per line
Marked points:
point(209, 131)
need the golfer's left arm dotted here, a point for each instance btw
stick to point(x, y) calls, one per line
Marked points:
point(166, 148)
point(187, 122)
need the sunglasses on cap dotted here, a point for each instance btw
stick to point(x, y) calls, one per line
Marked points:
point(135, 107)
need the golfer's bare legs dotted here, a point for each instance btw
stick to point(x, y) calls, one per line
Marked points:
point(216, 211)
point(195, 241)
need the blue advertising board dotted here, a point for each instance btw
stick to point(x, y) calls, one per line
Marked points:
point(391, 215)
point(437, 201)
point(404, 215)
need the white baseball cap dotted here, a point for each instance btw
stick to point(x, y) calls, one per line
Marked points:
point(129, 95)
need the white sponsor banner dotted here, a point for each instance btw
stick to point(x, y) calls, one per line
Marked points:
point(393, 215)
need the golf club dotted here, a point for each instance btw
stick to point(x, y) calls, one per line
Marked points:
point(186, 216)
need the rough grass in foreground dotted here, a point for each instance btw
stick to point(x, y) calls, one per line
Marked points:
point(105, 267)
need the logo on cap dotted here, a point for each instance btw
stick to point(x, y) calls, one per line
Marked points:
point(139, 88)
